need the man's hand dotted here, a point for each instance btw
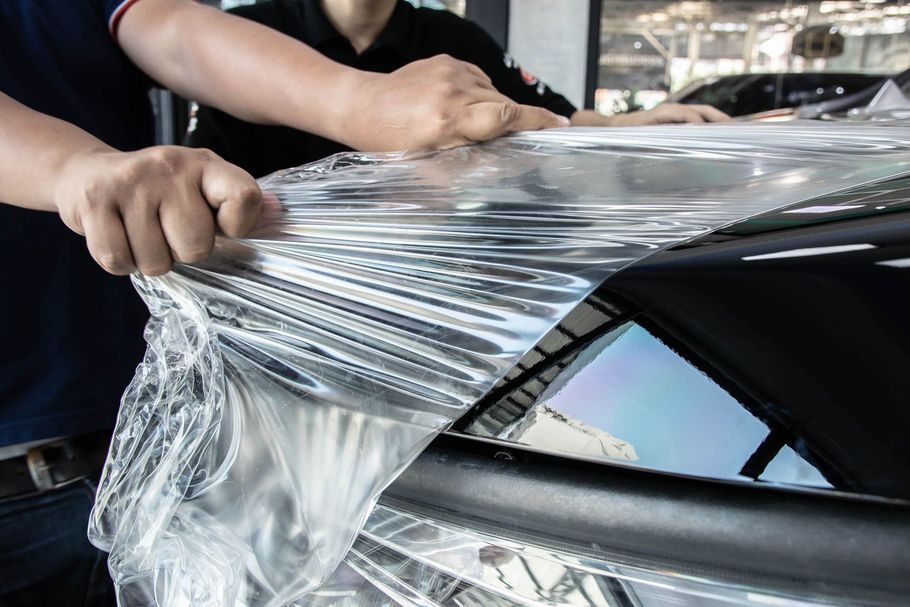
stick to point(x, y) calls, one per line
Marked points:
point(143, 211)
point(138, 210)
point(662, 114)
point(437, 103)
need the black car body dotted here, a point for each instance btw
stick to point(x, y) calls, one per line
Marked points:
point(745, 94)
point(797, 319)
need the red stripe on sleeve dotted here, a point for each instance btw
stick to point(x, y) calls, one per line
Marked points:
point(117, 14)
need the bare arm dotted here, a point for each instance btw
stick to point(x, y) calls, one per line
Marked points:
point(34, 151)
point(138, 210)
point(274, 79)
point(662, 114)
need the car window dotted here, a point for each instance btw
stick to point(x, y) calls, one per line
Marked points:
point(629, 397)
point(743, 95)
point(804, 89)
point(733, 94)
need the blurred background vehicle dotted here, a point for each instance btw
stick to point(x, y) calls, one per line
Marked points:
point(888, 96)
point(766, 54)
point(744, 94)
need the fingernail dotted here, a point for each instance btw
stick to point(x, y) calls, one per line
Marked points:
point(563, 121)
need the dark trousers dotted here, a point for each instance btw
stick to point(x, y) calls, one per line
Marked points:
point(45, 556)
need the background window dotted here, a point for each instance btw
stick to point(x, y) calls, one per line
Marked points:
point(651, 49)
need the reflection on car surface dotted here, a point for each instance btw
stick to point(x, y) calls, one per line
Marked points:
point(722, 423)
point(755, 333)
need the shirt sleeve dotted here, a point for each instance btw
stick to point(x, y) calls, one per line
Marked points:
point(113, 10)
point(509, 77)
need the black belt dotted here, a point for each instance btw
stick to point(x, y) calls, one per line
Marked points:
point(53, 465)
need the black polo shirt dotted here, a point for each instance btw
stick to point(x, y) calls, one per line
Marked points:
point(411, 34)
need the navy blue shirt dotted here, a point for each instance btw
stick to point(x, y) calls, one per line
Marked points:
point(70, 334)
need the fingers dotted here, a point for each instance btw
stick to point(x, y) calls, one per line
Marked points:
point(270, 210)
point(439, 103)
point(148, 245)
point(691, 114)
point(711, 114)
point(672, 112)
point(486, 120)
point(235, 195)
point(107, 242)
point(188, 225)
point(144, 210)
point(529, 118)
point(692, 117)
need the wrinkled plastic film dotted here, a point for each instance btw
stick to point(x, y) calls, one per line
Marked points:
point(404, 559)
point(291, 377)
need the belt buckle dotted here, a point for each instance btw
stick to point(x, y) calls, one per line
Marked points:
point(39, 470)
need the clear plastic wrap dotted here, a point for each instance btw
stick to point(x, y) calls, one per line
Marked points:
point(406, 559)
point(291, 377)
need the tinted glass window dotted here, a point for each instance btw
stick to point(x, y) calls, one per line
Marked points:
point(739, 95)
point(803, 89)
point(629, 397)
point(742, 95)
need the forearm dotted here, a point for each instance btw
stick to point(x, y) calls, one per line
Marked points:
point(590, 118)
point(272, 78)
point(34, 150)
point(260, 75)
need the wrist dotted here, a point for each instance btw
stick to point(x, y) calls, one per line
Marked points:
point(592, 118)
point(355, 102)
point(615, 120)
point(73, 170)
point(335, 113)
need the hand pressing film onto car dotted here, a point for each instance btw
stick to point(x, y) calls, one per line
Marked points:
point(293, 377)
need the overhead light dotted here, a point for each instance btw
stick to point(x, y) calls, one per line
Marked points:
point(810, 252)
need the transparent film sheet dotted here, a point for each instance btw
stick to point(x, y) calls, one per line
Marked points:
point(291, 377)
point(401, 559)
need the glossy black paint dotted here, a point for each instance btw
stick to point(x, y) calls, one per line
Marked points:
point(800, 315)
point(850, 551)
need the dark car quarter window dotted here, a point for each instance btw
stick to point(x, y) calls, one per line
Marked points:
point(739, 95)
point(753, 93)
point(662, 412)
point(774, 351)
point(804, 89)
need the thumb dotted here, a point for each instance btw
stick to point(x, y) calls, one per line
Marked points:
point(234, 194)
point(486, 120)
